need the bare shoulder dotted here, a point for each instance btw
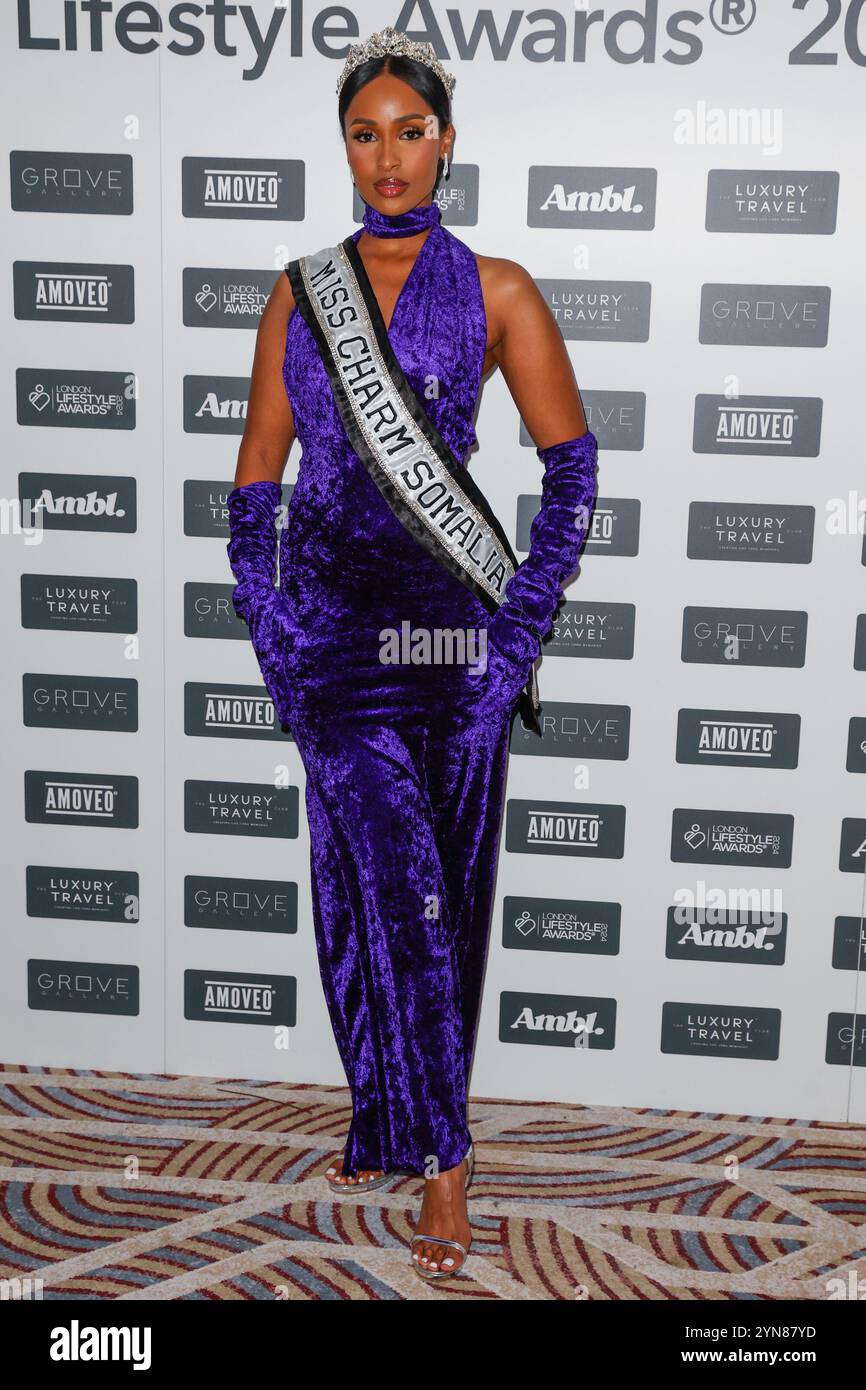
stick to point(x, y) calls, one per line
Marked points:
point(509, 293)
point(503, 280)
point(270, 425)
point(282, 296)
point(275, 316)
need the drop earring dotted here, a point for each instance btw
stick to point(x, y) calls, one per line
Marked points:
point(445, 166)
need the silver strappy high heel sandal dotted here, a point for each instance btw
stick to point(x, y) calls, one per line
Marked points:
point(442, 1240)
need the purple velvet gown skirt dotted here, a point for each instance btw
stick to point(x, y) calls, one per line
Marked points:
point(404, 785)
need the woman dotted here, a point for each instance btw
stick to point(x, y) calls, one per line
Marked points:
point(372, 353)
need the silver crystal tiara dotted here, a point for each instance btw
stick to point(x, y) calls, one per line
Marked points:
point(394, 41)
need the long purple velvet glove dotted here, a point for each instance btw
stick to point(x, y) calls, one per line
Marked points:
point(534, 592)
point(252, 552)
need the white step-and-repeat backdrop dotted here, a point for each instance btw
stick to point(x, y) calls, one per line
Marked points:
point(679, 918)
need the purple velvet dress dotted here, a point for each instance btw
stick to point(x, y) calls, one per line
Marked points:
point(404, 788)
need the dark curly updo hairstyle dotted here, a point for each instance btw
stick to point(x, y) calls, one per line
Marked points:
point(422, 79)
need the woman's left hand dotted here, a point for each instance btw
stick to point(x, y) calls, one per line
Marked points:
point(499, 685)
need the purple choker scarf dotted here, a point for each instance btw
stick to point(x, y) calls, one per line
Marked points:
point(410, 223)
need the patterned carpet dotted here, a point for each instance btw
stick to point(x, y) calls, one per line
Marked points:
point(161, 1187)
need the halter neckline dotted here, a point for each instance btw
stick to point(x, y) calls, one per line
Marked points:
point(409, 223)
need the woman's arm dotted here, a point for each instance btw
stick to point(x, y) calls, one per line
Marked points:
point(529, 350)
point(528, 347)
point(269, 428)
point(254, 502)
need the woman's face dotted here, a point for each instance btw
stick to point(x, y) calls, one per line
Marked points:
point(393, 144)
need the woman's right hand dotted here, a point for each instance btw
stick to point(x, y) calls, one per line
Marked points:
point(277, 641)
point(499, 685)
point(252, 553)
